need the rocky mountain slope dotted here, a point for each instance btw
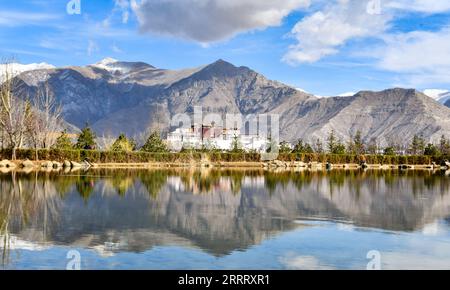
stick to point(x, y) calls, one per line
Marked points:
point(131, 97)
point(394, 115)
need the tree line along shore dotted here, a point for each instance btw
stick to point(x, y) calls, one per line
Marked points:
point(29, 136)
point(334, 154)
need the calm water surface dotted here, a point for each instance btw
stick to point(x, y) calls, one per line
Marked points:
point(225, 219)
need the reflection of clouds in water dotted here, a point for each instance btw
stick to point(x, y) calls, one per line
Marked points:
point(303, 263)
point(433, 229)
point(108, 249)
point(407, 261)
point(341, 217)
point(14, 243)
point(345, 227)
point(420, 253)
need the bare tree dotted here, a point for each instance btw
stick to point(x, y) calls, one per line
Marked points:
point(14, 112)
point(105, 141)
point(45, 121)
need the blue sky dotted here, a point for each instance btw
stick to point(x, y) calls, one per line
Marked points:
point(323, 47)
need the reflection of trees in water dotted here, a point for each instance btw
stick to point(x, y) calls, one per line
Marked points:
point(418, 181)
point(63, 184)
point(85, 187)
point(23, 199)
point(153, 181)
point(123, 181)
point(202, 181)
point(335, 179)
point(236, 181)
point(6, 204)
point(208, 180)
point(219, 209)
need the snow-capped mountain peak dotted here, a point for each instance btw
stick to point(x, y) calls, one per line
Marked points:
point(347, 94)
point(106, 62)
point(439, 95)
point(115, 66)
point(109, 64)
point(18, 68)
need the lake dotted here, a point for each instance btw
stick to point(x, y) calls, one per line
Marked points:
point(225, 219)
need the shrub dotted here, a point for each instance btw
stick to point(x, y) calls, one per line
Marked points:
point(214, 156)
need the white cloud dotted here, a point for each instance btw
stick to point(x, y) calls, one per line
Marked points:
point(406, 261)
point(427, 6)
point(303, 263)
point(322, 33)
point(123, 8)
point(421, 56)
point(208, 21)
point(16, 18)
point(433, 229)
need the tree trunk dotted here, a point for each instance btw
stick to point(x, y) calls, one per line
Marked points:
point(13, 157)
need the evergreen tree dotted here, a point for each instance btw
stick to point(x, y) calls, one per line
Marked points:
point(318, 146)
point(351, 146)
point(339, 148)
point(335, 146)
point(301, 147)
point(444, 146)
point(86, 139)
point(390, 150)
point(331, 142)
point(123, 144)
point(236, 146)
point(431, 150)
point(358, 144)
point(372, 147)
point(155, 144)
point(308, 149)
point(285, 147)
point(417, 145)
point(63, 142)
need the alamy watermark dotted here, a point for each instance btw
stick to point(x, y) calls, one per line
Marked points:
point(262, 126)
point(374, 7)
point(74, 7)
point(74, 260)
point(374, 258)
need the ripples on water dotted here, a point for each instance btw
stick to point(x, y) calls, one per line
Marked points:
point(222, 219)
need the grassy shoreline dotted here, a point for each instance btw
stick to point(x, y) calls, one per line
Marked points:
point(270, 166)
point(108, 159)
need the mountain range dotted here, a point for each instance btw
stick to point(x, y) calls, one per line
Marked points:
point(130, 97)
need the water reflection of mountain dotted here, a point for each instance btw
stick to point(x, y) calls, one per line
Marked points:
point(216, 211)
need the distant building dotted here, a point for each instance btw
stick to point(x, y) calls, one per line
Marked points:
point(212, 137)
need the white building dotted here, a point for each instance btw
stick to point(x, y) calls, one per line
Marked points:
point(207, 136)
